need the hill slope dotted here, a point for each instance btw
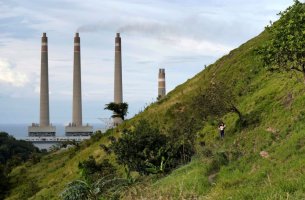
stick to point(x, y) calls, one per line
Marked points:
point(274, 106)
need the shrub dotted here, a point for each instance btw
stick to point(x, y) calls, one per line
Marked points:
point(147, 151)
point(141, 149)
point(219, 159)
point(99, 181)
point(91, 170)
point(30, 190)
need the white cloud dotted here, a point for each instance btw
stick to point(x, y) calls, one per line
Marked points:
point(10, 75)
point(181, 36)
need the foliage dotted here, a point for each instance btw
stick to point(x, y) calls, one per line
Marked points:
point(30, 190)
point(3, 182)
point(12, 153)
point(98, 181)
point(104, 188)
point(119, 109)
point(148, 148)
point(215, 101)
point(91, 170)
point(151, 152)
point(182, 136)
point(80, 190)
point(285, 50)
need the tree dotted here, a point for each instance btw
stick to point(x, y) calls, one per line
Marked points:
point(141, 149)
point(285, 50)
point(146, 150)
point(4, 183)
point(119, 109)
point(12, 153)
point(217, 100)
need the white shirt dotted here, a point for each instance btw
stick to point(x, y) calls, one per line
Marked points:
point(222, 127)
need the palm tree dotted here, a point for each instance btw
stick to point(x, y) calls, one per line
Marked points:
point(119, 109)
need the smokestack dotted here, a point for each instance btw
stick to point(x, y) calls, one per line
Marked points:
point(44, 128)
point(44, 83)
point(161, 83)
point(76, 128)
point(118, 89)
point(77, 90)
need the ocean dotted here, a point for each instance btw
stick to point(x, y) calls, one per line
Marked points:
point(21, 130)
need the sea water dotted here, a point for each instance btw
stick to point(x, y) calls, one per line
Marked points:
point(21, 130)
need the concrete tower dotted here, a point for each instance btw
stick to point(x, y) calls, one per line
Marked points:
point(77, 88)
point(161, 84)
point(76, 128)
point(44, 128)
point(44, 83)
point(118, 88)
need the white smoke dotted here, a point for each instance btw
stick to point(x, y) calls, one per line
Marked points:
point(175, 36)
point(141, 27)
point(10, 75)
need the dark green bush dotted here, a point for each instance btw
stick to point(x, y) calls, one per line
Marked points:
point(147, 151)
point(92, 171)
point(219, 159)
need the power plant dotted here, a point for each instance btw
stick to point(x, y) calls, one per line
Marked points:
point(44, 128)
point(161, 84)
point(118, 88)
point(76, 128)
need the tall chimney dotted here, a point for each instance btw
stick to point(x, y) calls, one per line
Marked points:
point(161, 83)
point(77, 90)
point(118, 91)
point(44, 83)
point(44, 128)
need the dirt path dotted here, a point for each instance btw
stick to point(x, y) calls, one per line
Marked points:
point(212, 177)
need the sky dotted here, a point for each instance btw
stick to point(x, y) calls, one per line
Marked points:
point(181, 36)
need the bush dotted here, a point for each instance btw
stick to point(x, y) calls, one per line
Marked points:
point(99, 181)
point(91, 170)
point(141, 149)
point(219, 159)
point(30, 190)
point(147, 151)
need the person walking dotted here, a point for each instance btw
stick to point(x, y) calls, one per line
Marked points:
point(221, 128)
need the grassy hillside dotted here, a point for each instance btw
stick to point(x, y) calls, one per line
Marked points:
point(273, 105)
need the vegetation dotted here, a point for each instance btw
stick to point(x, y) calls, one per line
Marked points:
point(151, 152)
point(12, 153)
point(216, 101)
point(285, 51)
point(119, 109)
point(98, 181)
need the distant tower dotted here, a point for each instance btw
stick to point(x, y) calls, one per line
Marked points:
point(44, 128)
point(77, 88)
point(118, 88)
point(161, 84)
point(76, 128)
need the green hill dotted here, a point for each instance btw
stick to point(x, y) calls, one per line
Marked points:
point(273, 109)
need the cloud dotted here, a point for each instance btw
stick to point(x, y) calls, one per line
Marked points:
point(10, 76)
point(181, 36)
